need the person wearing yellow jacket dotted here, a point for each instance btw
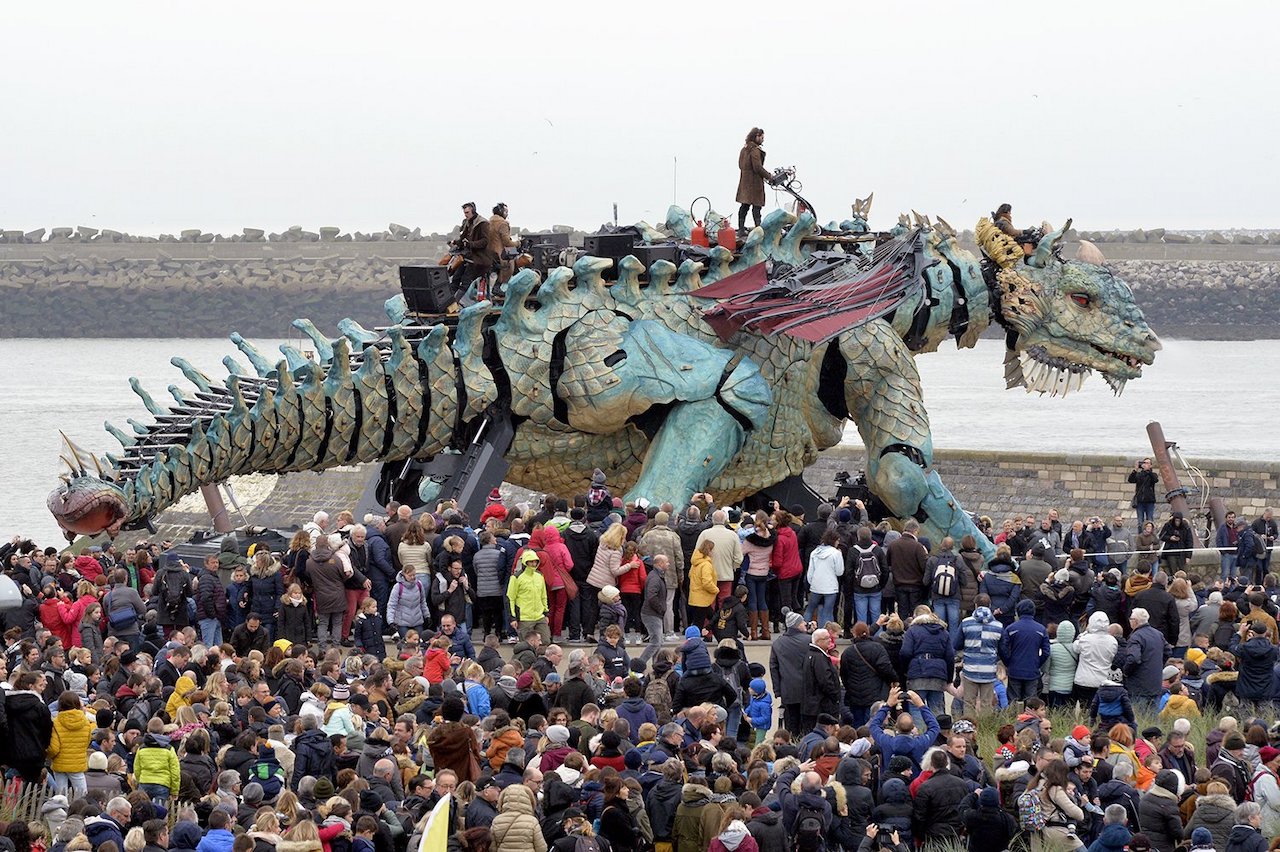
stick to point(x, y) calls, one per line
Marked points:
point(178, 698)
point(527, 593)
point(155, 766)
point(68, 750)
point(703, 587)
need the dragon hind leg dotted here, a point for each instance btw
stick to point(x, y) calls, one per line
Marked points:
point(883, 397)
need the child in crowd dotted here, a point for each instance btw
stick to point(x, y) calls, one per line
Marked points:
point(436, 665)
point(759, 710)
point(296, 622)
point(367, 629)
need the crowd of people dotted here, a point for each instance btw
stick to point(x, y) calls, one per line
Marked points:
point(333, 696)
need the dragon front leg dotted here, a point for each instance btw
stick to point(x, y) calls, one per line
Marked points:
point(883, 397)
point(697, 401)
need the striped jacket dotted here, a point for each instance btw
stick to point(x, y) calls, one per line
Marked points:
point(979, 639)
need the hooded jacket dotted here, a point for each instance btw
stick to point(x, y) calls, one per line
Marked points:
point(1114, 838)
point(1025, 646)
point(697, 819)
point(926, 649)
point(266, 587)
point(1257, 657)
point(1144, 657)
point(527, 592)
point(1096, 649)
point(1003, 585)
point(979, 638)
point(1159, 816)
point(826, 566)
point(661, 803)
point(895, 811)
point(786, 664)
point(734, 838)
point(1215, 812)
point(1246, 838)
point(410, 601)
point(1060, 675)
point(156, 763)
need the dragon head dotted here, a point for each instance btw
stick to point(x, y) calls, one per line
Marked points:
point(1064, 318)
point(88, 505)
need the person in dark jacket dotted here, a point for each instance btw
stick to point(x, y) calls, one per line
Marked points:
point(729, 621)
point(1162, 609)
point(664, 798)
point(929, 657)
point(170, 589)
point(1120, 791)
point(1158, 813)
point(1178, 541)
point(312, 754)
point(703, 687)
point(250, 636)
point(211, 602)
point(379, 568)
point(1246, 834)
point(737, 673)
point(854, 774)
point(1232, 766)
point(266, 588)
point(30, 728)
point(908, 563)
point(653, 608)
point(1002, 584)
point(1106, 597)
point(822, 690)
point(936, 808)
point(1257, 658)
point(1024, 650)
point(786, 668)
point(865, 673)
point(987, 825)
point(1142, 659)
point(895, 811)
point(1144, 480)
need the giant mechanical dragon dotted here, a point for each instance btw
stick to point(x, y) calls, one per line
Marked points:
point(726, 374)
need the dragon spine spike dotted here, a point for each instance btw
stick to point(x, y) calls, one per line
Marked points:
point(555, 288)
point(257, 360)
point(176, 393)
point(147, 401)
point(516, 315)
point(396, 309)
point(587, 272)
point(126, 441)
point(233, 367)
point(661, 273)
point(295, 359)
point(324, 348)
point(356, 333)
point(721, 259)
point(690, 279)
point(196, 377)
point(626, 290)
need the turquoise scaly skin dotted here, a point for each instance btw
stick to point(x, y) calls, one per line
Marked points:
point(627, 377)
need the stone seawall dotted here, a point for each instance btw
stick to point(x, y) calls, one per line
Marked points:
point(86, 283)
point(989, 483)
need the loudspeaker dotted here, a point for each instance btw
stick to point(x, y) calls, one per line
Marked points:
point(647, 254)
point(608, 245)
point(426, 289)
point(560, 241)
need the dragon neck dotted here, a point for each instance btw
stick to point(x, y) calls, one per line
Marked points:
point(963, 304)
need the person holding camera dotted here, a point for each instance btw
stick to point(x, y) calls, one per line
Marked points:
point(882, 840)
point(1144, 480)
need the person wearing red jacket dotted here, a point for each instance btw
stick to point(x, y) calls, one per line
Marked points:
point(786, 565)
point(631, 585)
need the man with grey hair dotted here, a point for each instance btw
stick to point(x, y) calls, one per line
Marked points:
point(109, 825)
point(1115, 833)
point(1120, 792)
point(229, 787)
point(318, 526)
point(1246, 834)
point(822, 688)
point(1142, 659)
point(380, 782)
point(726, 558)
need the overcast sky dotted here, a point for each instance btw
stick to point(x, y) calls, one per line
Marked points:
point(153, 117)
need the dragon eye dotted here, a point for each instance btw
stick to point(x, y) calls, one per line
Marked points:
point(1081, 299)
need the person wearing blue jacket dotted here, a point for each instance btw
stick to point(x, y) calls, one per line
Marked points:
point(1024, 650)
point(759, 710)
point(902, 741)
point(1002, 584)
point(929, 657)
point(980, 637)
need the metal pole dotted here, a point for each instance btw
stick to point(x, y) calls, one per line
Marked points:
point(217, 509)
point(1175, 493)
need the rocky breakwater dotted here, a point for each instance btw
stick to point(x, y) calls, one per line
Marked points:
point(86, 282)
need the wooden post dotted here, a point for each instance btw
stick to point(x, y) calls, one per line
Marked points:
point(1175, 493)
point(217, 508)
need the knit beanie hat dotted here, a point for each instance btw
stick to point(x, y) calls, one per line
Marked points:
point(793, 619)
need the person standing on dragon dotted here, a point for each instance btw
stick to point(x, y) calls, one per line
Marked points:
point(667, 385)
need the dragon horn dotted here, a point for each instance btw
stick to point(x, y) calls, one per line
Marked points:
point(77, 466)
point(945, 227)
point(1044, 249)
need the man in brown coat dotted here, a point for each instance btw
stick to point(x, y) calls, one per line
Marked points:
point(500, 238)
point(473, 242)
point(908, 561)
point(751, 178)
point(453, 745)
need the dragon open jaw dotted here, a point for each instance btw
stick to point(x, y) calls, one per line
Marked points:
point(1040, 371)
point(87, 506)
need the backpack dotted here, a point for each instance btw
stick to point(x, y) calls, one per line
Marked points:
point(586, 844)
point(1031, 812)
point(174, 598)
point(658, 695)
point(120, 619)
point(809, 836)
point(867, 575)
point(1259, 547)
point(944, 576)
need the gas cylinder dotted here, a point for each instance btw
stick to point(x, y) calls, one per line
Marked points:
point(699, 236)
point(727, 237)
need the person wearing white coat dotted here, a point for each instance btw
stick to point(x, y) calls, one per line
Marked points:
point(1096, 648)
point(826, 564)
